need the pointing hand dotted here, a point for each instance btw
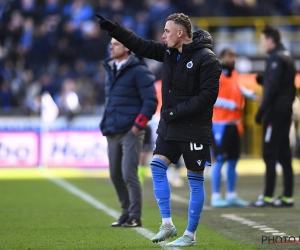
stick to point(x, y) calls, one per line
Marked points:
point(106, 24)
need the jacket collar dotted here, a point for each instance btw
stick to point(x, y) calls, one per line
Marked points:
point(276, 48)
point(110, 62)
point(201, 39)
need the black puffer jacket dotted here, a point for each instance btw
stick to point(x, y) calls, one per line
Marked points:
point(189, 86)
point(279, 83)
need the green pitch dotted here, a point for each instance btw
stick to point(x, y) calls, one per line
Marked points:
point(50, 210)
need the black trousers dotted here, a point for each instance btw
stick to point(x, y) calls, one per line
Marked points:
point(276, 148)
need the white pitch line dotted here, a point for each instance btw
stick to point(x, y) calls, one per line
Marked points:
point(252, 224)
point(97, 204)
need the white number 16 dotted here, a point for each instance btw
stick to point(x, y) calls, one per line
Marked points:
point(193, 146)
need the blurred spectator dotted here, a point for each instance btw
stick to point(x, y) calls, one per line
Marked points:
point(13, 34)
point(50, 7)
point(284, 6)
point(142, 26)
point(288, 7)
point(87, 94)
point(7, 70)
point(64, 71)
point(44, 44)
point(239, 7)
point(99, 84)
point(26, 39)
point(264, 8)
point(157, 14)
point(118, 8)
point(66, 50)
point(5, 9)
point(6, 99)
point(67, 99)
point(295, 7)
point(19, 87)
point(46, 82)
point(75, 14)
point(32, 95)
point(122, 13)
point(29, 9)
point(103, 8)
point(196, 8)
point(79, 69)
point(78, 11)
point(92, 46)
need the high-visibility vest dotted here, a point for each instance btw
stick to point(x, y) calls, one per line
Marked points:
point(230, 90)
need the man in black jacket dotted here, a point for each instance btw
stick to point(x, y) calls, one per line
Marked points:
point(276, 109)
point(190, 87)
point(130, 103)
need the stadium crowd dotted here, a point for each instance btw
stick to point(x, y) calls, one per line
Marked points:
point(56, 46)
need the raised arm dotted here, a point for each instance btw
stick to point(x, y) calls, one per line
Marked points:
point(138, 45)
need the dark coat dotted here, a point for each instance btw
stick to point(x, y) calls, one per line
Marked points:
point(189, 86)
point(279, 84)
point(130, 96)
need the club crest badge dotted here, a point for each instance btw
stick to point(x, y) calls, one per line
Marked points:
point(189, 64)
point(274, 65)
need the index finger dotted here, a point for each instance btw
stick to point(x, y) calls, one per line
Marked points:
point(99, 16)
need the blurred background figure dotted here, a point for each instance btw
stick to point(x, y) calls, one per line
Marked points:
point(275, 114)
point(293, 130)
point(227, 131)
point(67, 99)
point(174, 174)
point(157, 13)
point(146, 152)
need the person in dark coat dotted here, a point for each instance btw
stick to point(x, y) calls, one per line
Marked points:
point(190, 85)
point(130, 103)
point(275, 112)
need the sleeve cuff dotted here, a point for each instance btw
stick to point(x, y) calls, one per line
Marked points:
point(141, 121)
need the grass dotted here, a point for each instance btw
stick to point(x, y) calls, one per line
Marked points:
point(38, 214)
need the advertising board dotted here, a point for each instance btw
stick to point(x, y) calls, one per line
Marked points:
point(19, 149)
point(74, 149)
